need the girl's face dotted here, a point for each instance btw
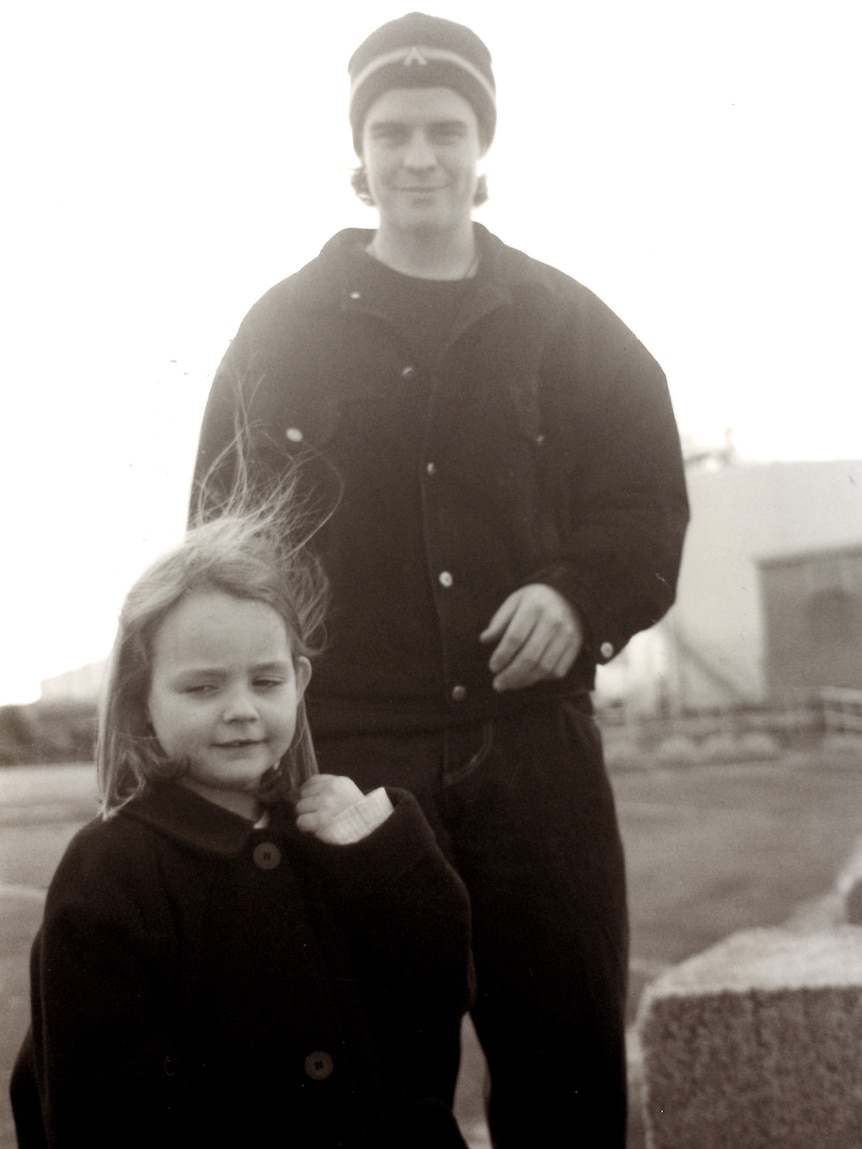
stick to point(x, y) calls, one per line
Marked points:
point(224, 692)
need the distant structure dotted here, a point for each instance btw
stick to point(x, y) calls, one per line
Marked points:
point(80, 685)
point(813, 620)
point(770, 593)
point(60, 726)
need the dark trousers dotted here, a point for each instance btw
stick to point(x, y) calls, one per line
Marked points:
point(524, 809)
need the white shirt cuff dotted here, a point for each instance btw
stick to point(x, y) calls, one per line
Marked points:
point(358, 820)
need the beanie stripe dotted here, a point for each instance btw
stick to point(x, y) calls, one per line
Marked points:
point(420, 55)
point(421, 51)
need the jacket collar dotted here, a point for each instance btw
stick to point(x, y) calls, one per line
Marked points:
point(327, 281)
point(191, 820)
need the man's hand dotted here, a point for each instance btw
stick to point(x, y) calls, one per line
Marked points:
point(539, 635)
point(322, 798)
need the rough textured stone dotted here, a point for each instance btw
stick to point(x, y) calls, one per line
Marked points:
point(757, 1044)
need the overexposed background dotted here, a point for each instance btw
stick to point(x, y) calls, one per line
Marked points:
point(697, 165)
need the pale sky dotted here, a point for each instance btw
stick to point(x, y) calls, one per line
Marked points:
point(695, 165)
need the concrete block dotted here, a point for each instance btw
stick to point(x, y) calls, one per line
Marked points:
point(757, 1044)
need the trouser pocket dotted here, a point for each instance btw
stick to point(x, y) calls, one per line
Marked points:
point(464, 751)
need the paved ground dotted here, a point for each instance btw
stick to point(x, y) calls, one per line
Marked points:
point(711, 849)
point(40, 810)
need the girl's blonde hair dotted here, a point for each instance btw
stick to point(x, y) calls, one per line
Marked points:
point(247, 545)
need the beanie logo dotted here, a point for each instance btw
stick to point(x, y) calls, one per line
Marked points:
point(414, 56)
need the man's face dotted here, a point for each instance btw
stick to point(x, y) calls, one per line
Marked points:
point(420, 147)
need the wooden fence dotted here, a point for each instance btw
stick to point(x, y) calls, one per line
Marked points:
point(759, 729)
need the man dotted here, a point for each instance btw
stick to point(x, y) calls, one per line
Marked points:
point(509, 510)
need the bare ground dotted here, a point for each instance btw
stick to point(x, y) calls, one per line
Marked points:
point(711, 849)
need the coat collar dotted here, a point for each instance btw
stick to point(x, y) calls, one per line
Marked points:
point(191, 820)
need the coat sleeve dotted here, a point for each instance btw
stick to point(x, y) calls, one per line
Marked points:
point(99, 1057)
point(407, 914)
point(613, 465)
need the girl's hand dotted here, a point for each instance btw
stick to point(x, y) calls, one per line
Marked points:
point(322, 798)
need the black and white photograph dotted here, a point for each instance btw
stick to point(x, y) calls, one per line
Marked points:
point(431, 690)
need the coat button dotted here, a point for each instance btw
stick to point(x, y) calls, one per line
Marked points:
point(294, 434)
point(318, 1065)
point(356, 295)
point(606, 650)
point(431, 469)
point(408, 372)
point(459, 693)
point(445, 578)
point(266, 855)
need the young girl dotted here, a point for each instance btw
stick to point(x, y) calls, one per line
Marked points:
point(239, 952)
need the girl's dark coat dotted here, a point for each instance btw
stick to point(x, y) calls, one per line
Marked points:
point(199, 982)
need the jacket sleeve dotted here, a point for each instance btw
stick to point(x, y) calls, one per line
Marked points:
point(407, 913)
point(215, 462)
point(99, 1058)
point(238, 426)
point(614, 470)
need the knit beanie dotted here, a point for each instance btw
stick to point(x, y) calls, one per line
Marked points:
point(419, 51)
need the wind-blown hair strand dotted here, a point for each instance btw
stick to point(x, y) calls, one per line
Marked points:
point(243, 544)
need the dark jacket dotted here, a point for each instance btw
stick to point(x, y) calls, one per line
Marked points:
point(548, 452)
point(200, 983)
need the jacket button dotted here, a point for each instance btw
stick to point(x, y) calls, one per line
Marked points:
point(431, 469)
point(294, 434)
point(266, 855)
point(408, 372)
point(459, 693)
point(318, 1065)
point(445, 578)
point(606, 650)
point(356, 295)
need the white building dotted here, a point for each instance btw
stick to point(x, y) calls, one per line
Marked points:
point(711, 649)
